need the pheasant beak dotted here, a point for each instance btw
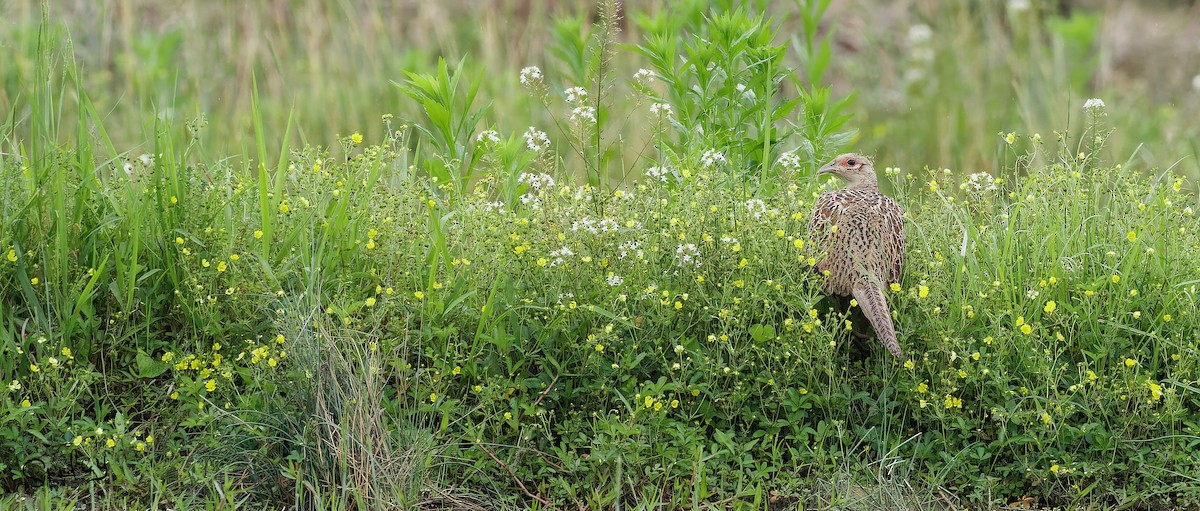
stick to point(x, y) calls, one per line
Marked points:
point(827, 169)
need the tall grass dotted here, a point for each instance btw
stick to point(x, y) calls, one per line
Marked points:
point(931, 96)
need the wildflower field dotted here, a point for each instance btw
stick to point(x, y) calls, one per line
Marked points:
point(289, 257)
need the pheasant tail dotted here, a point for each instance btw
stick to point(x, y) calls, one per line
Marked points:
point(874, 306)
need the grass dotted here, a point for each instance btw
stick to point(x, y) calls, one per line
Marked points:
point(613, 308)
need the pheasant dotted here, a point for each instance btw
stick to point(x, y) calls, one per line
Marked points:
point(860, 233)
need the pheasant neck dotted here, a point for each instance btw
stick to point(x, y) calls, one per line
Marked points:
point(870, 185)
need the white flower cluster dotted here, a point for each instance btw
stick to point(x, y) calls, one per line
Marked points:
point(488, 137)
point(630, 247)
point(979, 182)
point(919, 33)
point(576, 95)
point(560, 256)
point(661, 110)
point(756, 208)
point(688, 255)
point(615, 280)
point(144, 161)
point(1093, 103)
point(531, 76)
point(711, 157)
point(789, 161)
point(644, 76)
point(537, 181)
point(536, 140)
point(919, 51)
point(583, 113)
point(582, 194)
point(663, 173)
point(493, 207)
point(589, 224)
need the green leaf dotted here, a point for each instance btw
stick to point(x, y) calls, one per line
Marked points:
point(762, 333)
point(150, 367)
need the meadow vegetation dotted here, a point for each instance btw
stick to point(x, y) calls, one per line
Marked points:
point(583, 280)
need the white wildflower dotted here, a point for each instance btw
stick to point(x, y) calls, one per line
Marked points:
point(1093, 103)
point(536, 139)
point(660, 109)
point(711, 157)
point(644, 76)
point(488, 137)
point(979, 182)
point(585, 224)
point(608, 225)
point(615, 280)
point(531, 76)
point(146, 160)
point(1032, 294)
point(919, 33)
point(789, 161)
point(629, 247)
point(583, 113)
point(576, 95)
point(560, 256)
point(756, 208)
point(662, 173)
point(688, 254)
point(493, 207)
point(537, 181)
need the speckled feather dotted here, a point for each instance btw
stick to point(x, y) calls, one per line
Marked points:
point(866, 250)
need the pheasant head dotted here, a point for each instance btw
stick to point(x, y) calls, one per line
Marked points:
point(855, 169)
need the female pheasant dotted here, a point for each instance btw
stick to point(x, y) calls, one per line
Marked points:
point(860, 233)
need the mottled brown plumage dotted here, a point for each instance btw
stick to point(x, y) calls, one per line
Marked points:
point(861, 234)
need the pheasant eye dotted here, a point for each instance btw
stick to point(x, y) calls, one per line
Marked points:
point(851, 162)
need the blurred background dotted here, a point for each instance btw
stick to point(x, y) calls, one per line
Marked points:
point(936, 83)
